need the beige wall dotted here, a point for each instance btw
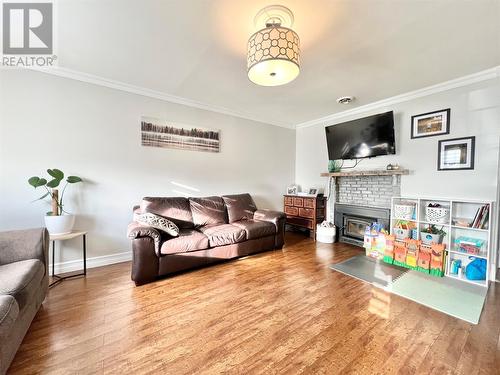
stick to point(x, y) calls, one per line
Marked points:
point(475, 111)
point(94, 132)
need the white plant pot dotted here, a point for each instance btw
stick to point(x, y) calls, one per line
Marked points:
point(61, 224)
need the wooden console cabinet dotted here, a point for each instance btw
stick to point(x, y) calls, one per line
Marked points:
point(304, 211)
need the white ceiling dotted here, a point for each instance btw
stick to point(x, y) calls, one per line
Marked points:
point(195, 49)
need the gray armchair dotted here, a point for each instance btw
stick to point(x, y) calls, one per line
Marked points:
point(24, 281)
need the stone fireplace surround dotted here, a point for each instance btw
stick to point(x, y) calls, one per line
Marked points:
point(360, 201)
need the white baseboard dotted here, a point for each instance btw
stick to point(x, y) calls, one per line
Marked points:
point(104, 260)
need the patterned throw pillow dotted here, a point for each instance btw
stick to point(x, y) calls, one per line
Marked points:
point(158, 222)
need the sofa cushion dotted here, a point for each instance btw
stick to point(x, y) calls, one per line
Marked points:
point(9, 310)
point(208, 211)
point(21, 280)
point(188, 240)
point(224, 234)
point(239, 207)
point(157, 222)
point(256, 229)
point(176, 209)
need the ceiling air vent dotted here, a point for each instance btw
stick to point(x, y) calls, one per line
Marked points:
point(345, 99)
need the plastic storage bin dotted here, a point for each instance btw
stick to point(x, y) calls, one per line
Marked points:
point(401, 234)
point(437, 215)
point(325, 234)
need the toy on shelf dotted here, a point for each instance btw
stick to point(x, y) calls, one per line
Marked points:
point(413, 254)
point(403, 229)
point(469, 245)
point(414, 234)
point(476, 269)
point(375, 241)
point(389, 249)
point(437, 259)
point(456, 267)
point(412, 250)
point(424, 259)
point(399, 254)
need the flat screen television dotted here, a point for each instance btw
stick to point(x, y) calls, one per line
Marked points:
point(362, 138)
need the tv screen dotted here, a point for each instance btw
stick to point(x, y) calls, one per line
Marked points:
point(362, 138)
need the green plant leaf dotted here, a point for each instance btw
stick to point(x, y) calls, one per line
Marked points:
point(53, 183)
point(56, 173)
point(37, 181)
point(42, 197)
point(73, 179)
point(33, 181)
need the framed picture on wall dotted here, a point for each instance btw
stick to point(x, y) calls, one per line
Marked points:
point(456, 154)
point(430, 124)
point(166, 134)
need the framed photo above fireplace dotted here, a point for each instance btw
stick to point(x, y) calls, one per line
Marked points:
point(430, 124)
point(456, 154)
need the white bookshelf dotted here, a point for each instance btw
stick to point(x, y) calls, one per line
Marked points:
point(459, 208)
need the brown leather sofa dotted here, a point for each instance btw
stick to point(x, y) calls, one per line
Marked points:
point(212, 229)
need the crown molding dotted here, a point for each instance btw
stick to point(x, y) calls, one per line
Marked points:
point(440, 87)
point(121, 86)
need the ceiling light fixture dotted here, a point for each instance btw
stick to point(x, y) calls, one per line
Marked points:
point(273, 52)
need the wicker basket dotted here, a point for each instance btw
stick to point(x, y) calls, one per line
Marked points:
point(437, 215)
point(404, 211)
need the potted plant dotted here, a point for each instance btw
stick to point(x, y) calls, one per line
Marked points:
point(334, 166)
point(57, 221)
point(431, 234)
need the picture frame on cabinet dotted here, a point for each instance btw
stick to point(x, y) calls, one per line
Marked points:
point(292, 190)
point(313, 191)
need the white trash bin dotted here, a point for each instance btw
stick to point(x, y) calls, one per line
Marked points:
point(325, 234)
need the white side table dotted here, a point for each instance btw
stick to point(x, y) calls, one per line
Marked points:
point(64, 237)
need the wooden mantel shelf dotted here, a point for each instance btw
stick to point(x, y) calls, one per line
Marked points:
point(375, 172)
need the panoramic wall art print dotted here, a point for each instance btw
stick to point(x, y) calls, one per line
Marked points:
point(166, 134)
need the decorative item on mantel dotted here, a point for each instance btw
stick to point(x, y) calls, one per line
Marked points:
point(334, 166)
point(58, 221)
point(392, 167)
point(367, 172)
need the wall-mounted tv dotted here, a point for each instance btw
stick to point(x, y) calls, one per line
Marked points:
point(362, 138)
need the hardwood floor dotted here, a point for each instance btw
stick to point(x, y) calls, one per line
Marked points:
point(276, 312)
